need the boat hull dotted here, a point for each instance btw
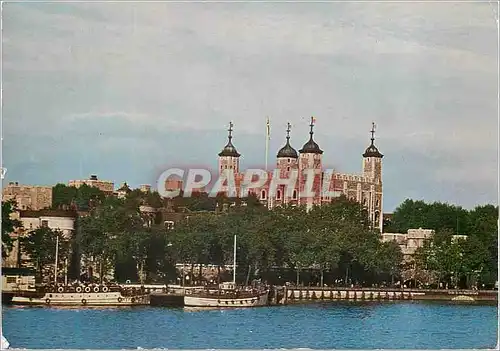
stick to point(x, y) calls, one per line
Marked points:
point(82, 299)
point(223, 302)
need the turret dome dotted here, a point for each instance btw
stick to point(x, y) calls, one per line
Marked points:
point(311, 147)
point(229, 149)
point(372, 151)
point(287, 151)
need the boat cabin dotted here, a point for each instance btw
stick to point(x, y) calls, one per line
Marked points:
point(227, 286)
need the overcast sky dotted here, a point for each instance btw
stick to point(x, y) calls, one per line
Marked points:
point(124, 90)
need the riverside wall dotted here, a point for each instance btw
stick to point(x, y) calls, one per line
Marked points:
point(290, 295)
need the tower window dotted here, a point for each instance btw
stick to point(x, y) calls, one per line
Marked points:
point(278, 195)
point(225, 167)
point(263, 195)
point(377, 203)
point(294, 196)
point(288, 169)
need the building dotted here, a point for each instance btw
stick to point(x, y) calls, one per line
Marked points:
point(28, 197)
point(366, 188)
point(145, 188)
point(409, 242)
point(414, 239)
point(31, 220)
point(103, 185)
point(123, 191)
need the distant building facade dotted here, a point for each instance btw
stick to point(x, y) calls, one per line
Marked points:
point(123, 191)
point(365, 188)
point(105, 186)
point(414, 239)
point(145, 188)
point(28, 197)
point(31, 220)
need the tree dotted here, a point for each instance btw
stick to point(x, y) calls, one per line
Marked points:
point(9, 224)
point(83, 197)
point(110, 232)
point(40, 245)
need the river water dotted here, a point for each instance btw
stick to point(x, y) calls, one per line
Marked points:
point(351, 325)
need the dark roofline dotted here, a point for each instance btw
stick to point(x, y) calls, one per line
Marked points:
point(48, 213)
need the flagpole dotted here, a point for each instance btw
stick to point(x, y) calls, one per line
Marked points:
point(268, 126)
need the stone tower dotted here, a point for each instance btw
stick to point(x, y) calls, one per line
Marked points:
point(309, 164)
point(229, 158)
point(287, 161)
point(372, 169)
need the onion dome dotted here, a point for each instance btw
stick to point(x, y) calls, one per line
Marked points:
point(229, 149)
point(288, 151)
point(372, 151)
point(311, 147)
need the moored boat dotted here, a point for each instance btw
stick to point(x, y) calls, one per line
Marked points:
point(89, 295)
point(227, 294)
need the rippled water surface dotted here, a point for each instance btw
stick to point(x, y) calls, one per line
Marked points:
point(328, 325)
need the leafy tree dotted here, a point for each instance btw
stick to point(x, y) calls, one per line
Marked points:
point(40, 245)
point(84, 197)
point(9, 224)
point(63, 196)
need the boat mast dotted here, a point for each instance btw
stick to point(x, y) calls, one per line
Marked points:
point(234, 261)
point(57, 254)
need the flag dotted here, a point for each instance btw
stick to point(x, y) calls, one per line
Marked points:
point(268, 129)
point(313, 119)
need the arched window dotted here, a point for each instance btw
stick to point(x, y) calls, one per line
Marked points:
point(278, 195)
point(377, 203)
point(294, 196)
point(376, 216)
point(288, 169)
point(263, 195)
point(364, 201)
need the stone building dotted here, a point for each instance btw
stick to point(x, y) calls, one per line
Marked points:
point(412, 240)
point(28, 197)
point(145, 188)
point(31, 220)
point(366, 187)
point(105, 186)
point(123, 191)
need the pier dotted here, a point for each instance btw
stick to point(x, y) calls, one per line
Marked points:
point(290, 295)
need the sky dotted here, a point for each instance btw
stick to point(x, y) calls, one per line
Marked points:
point(127, 90)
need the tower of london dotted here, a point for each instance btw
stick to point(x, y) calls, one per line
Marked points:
point(365, 188)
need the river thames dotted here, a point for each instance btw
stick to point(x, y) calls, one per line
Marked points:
point(321, 326)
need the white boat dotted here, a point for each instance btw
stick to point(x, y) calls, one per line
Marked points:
point(81, 296)
point(227, 295)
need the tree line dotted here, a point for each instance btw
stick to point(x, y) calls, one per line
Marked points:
point(331, 243)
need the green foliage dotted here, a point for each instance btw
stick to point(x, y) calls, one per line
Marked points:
point(82, 198)
point(8, 226)
point(335, 239)
point(330, 237)
point(40, 244)
point(479, 253)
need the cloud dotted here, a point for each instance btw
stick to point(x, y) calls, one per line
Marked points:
point(106, 86)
